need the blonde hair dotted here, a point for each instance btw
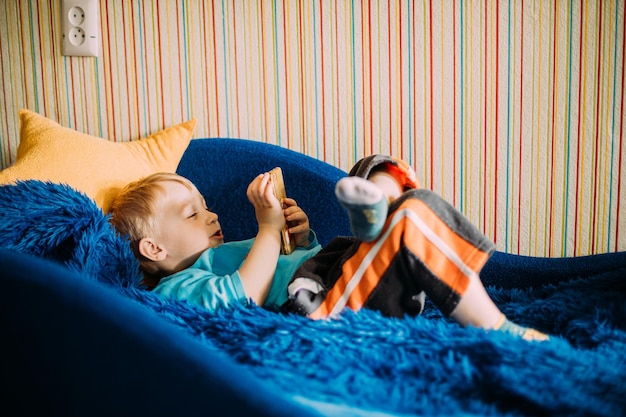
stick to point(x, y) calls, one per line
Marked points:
point(135, 212)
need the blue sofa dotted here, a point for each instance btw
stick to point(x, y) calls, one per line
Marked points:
point(81, 338)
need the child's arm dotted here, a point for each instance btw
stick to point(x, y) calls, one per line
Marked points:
point(257, 271)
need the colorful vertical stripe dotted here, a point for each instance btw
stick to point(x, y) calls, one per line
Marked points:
point(512, 110)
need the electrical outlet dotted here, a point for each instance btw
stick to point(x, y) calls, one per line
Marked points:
point(80, 25)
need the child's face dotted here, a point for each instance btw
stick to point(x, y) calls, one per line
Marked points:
point(187, 228)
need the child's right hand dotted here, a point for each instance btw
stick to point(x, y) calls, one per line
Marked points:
point(268, 210)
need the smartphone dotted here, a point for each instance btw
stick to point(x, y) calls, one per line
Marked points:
point(288, 245)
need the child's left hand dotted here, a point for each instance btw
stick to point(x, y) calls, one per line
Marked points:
point(298, 222)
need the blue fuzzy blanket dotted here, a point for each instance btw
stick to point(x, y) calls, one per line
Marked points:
point(366, 364)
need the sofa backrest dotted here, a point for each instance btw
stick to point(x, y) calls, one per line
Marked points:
point(222, 168)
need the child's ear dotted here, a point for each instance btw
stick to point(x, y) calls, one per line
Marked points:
point(150, 249)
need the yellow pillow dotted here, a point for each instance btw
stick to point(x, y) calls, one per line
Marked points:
point(95, 166)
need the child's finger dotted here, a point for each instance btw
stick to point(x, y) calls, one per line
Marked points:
point(264, 192)
point(289, 202)
point(293, 215)
point(299, 228)
point(257, 190)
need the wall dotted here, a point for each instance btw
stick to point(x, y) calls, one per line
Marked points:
point(512, 110)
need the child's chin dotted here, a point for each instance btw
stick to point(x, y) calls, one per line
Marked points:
point(216, 241)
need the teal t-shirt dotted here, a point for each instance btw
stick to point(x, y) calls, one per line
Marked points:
point(213, 281)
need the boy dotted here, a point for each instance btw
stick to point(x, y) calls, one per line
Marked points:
point(408, 242)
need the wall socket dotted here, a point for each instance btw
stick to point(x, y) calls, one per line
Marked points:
point(80, 21)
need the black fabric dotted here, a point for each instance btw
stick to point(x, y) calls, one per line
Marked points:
point(399, 291)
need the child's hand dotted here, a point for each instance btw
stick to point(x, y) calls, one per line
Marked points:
point(298, 222)
point(268, 210)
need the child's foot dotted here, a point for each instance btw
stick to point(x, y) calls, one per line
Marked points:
point(526, 333)
point(366, 206)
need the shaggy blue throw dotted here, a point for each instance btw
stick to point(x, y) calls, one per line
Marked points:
point(363, 363)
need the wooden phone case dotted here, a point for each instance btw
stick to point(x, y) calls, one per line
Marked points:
point(288, 245)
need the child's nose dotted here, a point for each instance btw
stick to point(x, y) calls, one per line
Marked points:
point(211, 218)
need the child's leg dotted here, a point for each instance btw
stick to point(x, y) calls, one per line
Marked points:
point(367, 202)
point(428, 238)
point(366, 206)
point(477, 309)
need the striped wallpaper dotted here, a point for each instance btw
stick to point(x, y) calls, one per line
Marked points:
point(513, 110)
